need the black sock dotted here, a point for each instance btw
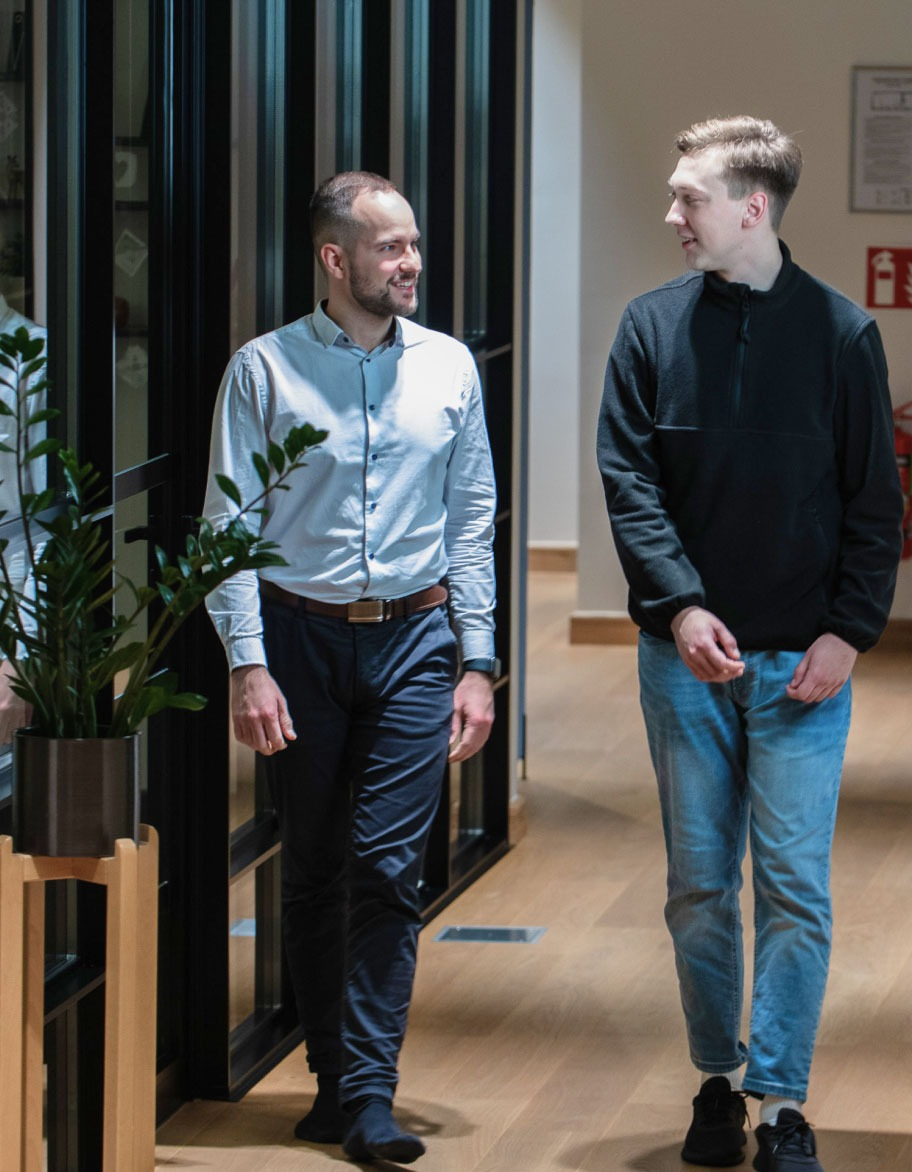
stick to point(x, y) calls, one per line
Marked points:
point(375, 1134)
point(325, 1122)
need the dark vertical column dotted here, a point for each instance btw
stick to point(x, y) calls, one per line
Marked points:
point(438, 259)
point(375, 87)
point(207, 197)
point(96, 276)
point(300, 180)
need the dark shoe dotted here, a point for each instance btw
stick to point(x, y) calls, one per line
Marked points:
point(787, 1146)
point(374, 1135)
point(716, 1136)
point(325, 1122)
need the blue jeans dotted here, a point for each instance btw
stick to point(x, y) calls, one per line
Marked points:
point(731, 760)
point(355, 797)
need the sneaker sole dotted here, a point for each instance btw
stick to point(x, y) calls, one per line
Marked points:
point(703, 1161)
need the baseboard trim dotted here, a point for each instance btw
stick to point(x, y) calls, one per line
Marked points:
point(560, 558)
point(588, 627)
point(517, 824)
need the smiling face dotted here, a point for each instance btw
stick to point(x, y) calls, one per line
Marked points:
point(710, 223)
point(383, 262)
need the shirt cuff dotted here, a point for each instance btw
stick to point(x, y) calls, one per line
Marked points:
point(246, 652)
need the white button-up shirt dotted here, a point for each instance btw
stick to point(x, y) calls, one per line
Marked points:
point(399, 495)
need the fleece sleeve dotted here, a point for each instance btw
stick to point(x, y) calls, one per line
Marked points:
point(871, 539)
point(661, 578)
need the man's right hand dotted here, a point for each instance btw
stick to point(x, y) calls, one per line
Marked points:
point(706, 645)
point(259, 711)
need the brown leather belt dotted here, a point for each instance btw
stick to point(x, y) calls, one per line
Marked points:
point(365, 610)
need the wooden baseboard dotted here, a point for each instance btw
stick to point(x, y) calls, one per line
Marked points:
point(602, 628)
point(516, 819)
point(620, 630)
point(553, 557)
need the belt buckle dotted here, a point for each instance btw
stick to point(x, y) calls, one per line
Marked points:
point(368, 610)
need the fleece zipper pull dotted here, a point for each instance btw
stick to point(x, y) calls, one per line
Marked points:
point(741, 356)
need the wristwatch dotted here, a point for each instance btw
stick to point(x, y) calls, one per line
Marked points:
point(489, 667)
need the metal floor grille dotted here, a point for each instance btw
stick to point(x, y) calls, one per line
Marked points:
point(482, 935)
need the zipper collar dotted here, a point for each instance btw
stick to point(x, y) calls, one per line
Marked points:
point(735, 293)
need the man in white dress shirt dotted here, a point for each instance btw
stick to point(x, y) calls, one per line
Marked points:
point(344, 664)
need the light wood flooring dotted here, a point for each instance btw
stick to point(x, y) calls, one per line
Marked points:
point(569, 1053)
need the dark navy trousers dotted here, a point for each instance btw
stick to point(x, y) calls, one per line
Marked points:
point(355, 796)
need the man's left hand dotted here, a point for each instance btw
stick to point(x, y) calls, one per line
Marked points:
point(473, 715)
point(823, 671)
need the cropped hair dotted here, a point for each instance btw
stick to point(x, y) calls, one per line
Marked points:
point(755, 154)
point(331, 218)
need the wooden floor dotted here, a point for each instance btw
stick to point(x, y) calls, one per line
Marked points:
point(569, 1053)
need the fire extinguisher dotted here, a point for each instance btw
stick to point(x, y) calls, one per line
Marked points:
point(903, 443)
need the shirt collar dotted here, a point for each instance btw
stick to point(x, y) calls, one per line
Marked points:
point(331, 334)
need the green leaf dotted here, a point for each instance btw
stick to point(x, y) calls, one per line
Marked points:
point(262, 468)
point(43, 448)
point(41, 416)
point(229, 488)
point(276, 457)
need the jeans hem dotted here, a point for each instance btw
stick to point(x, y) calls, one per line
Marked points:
point(719, 1067)
point(758, 1087)
point(349, 1095)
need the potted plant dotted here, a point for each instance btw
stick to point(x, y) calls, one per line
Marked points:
point(69, 647)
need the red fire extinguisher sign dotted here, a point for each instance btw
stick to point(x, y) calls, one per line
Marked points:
point(889, 278)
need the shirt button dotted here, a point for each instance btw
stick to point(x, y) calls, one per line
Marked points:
point(371, 407)
point(373, 505)
point(374, 456)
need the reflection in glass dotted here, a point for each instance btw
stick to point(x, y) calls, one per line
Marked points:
point(131, 555)
point(254, 949)
point(15, 155)
point(244, 114)
point(477, 117)
point(349, 75)
point(131, 232)
point(416, 100)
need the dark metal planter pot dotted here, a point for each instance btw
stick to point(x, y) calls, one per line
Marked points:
point(74, 798)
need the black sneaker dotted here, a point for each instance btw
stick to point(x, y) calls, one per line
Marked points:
point(786, 1146)
point(716, 1136)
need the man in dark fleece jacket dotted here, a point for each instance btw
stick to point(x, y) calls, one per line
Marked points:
point(745, 443)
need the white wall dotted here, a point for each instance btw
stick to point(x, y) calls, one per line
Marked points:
point(647, 69)
point(554, 407)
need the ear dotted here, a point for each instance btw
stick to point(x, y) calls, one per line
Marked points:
point(333, 259)
point(755, 209)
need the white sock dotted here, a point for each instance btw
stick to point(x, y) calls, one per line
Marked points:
point(771, 1106)
point(734, 1077)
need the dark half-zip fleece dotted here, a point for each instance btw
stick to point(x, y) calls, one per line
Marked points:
point(746, 447)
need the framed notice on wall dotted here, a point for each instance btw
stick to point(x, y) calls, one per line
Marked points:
point(882, 139)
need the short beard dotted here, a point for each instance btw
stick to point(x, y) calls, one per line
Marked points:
point(379, 304)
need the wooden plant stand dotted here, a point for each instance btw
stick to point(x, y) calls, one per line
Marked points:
point(131, 878)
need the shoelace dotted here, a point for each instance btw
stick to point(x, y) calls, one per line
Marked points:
point(719, 1108)
point(796, 1136)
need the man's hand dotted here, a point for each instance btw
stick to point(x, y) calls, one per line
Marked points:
point(823, 671)
point(259, 711)
point(14, 711)
point(473, 715)
point(706, 645)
